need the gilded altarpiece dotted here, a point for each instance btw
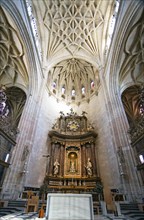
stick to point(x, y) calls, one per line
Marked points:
point(72, 162)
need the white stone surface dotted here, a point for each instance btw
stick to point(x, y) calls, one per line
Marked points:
point(69, 206)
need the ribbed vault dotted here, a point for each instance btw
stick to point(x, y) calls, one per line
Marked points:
point(73, 80)
point(73, 31)
point(12, 54)
point(131, 102)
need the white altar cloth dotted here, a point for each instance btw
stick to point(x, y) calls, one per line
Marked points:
point(69, 207)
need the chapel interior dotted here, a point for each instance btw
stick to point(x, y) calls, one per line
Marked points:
point(72, 98)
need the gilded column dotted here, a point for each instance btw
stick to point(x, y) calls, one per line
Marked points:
point(83, 160)
point(52, 159)
point(62, 160)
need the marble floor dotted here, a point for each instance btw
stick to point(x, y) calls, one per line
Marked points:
point(34, 216)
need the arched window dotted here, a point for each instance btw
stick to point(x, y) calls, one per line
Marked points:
point(92, 84)
point(141, 157)
point(73, 93)
point(54, 84)
point(83, 90)
point(63, 90)
point(34, 27)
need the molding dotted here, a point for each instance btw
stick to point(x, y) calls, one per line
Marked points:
point(73, 137)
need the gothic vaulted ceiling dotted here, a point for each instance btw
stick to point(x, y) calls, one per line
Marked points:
point(12, 54)
point(73, 39)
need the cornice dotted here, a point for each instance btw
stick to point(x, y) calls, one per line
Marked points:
point(55, 134)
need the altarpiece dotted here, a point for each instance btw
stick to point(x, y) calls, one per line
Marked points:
point(72, 165)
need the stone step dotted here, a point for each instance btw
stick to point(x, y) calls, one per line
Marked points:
point(17, 203)
point(131, 211)
point(128, 205)
point(8, 210)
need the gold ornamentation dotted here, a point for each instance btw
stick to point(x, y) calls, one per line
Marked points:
point(73, 125)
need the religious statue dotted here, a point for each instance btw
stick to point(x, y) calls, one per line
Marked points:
point(72, 166)
point(25, 153)
point(90, 127)
point(120, 155)
point(56, 167)
point(61, 114)
point(84, 113)
point(89, 167)
point(121, 160)
point(72, 113)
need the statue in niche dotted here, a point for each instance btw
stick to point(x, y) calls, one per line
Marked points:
point(121, 160)
point(25, 153)
point(56, 167)
point(120, 155)
point(89, 167)
point(72, 167)
point(72, 157)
